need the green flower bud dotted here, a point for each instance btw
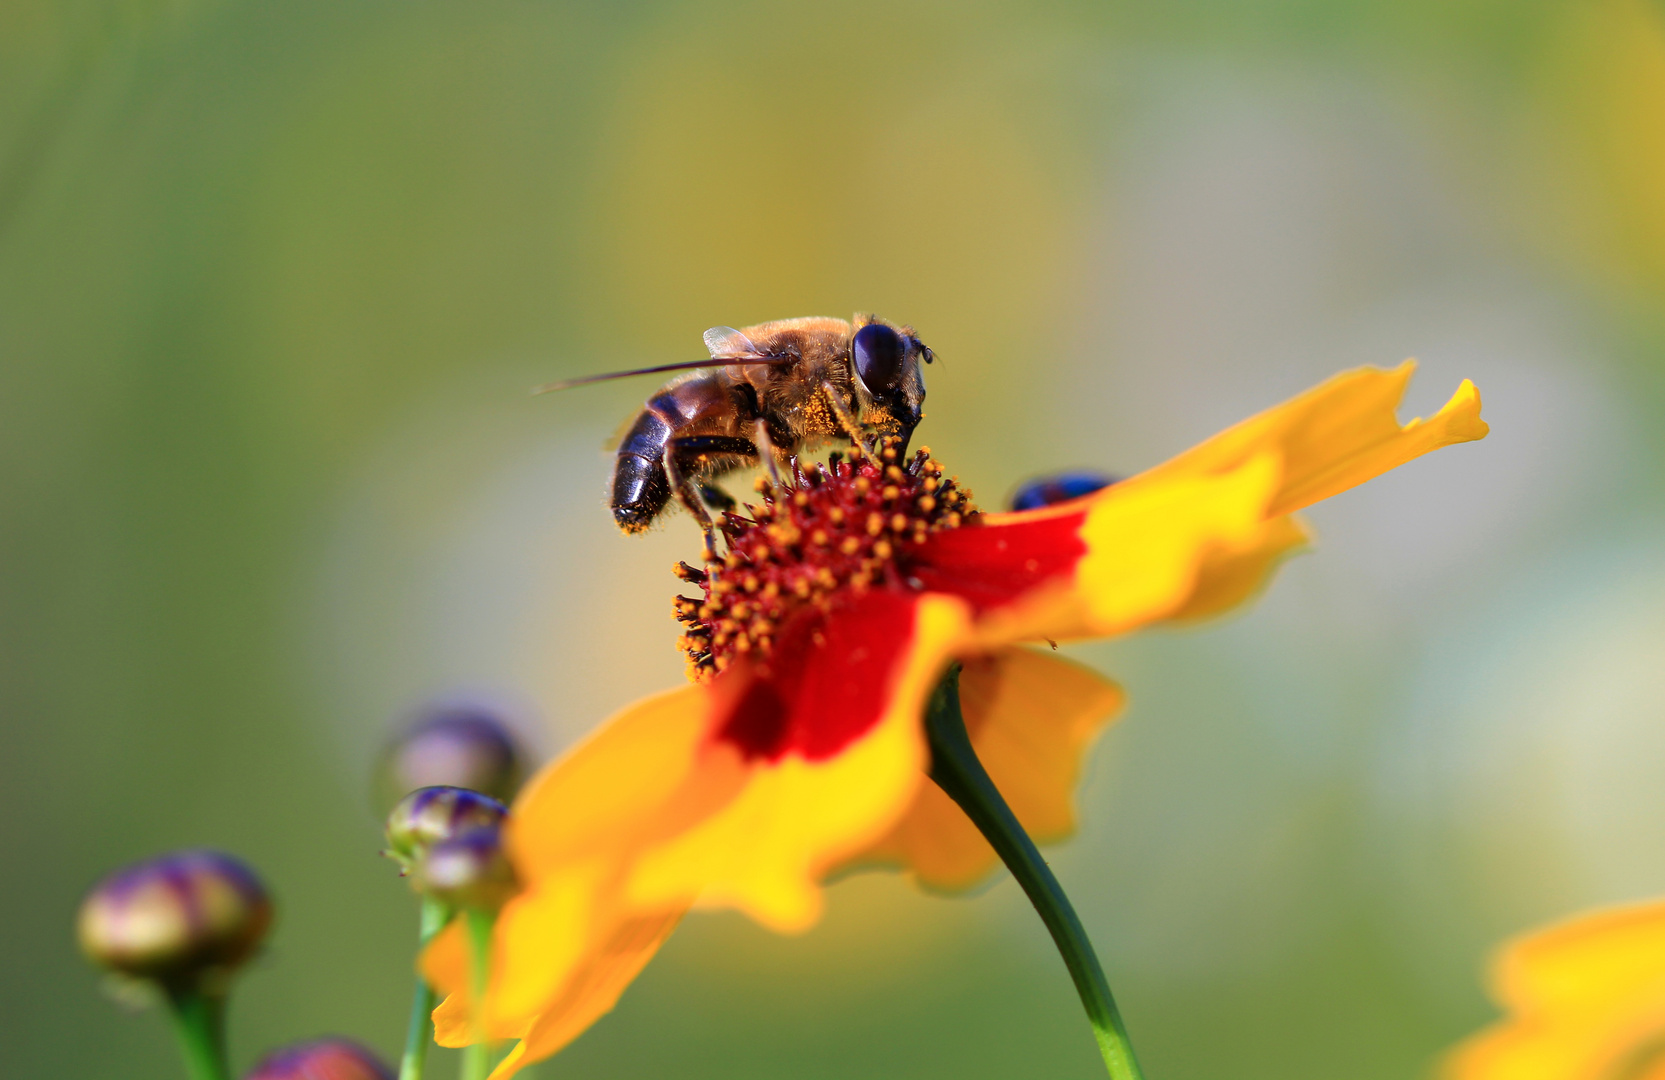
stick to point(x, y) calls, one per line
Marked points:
point(470, 870)
point(324, 1059)
point(465, 746)
point(176, 919)
point(434, 814)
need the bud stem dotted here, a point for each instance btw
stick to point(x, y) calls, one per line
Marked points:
point(419, 1034)
point(199, 1018)
point(477, 1055)
point(956, 769)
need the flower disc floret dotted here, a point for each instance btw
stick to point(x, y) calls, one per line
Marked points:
point(832, 530)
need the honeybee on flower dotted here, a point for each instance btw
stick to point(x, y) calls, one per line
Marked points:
point(856, 606)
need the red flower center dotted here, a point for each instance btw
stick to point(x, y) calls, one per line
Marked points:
point(840, 527)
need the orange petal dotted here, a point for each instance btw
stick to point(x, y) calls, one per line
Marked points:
point(607, 795)
point(1586, 1001)
point(565, 948)
point(445, 964)
point(766, 851)
point(595, 990)
point(1604, 956)
point(662, 809)
point(1333, 437)
point(1031, 717)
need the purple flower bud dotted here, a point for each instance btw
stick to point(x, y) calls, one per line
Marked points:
point(434, 814)
point(470, 870)
point(176, 918)
point(324, 1059)
point(466, 746)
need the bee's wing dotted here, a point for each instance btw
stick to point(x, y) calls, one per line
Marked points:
point(727, 346)
point(727, 343)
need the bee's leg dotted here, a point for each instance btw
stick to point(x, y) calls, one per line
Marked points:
point(845, 420)
point(682, 457)
point(715, 497)
point(766, 451)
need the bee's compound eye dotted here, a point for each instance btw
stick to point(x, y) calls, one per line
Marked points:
point(878, 351)
point(1059, 487)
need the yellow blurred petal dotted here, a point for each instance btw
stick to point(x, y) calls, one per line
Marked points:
point(445, 964)
point(542, 939)
point(766, 850)
point(1335, 436)
point(604, 977)
point(607, 794)
point(565, 948)
point(1605, 956)
point(1527, 1052)
point(1032, 717)
point(1586, 1001)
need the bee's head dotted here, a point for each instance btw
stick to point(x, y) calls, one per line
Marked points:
point(888, 376)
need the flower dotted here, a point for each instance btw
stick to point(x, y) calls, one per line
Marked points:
point(322, 1059)
point(457, 744)
point(1585, 1001)
point(814, 646)
point(177, 920)
point(468, 870)
point(433, 815)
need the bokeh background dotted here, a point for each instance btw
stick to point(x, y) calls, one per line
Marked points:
point(274, 281)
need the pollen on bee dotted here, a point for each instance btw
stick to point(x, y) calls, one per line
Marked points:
point(844, 527)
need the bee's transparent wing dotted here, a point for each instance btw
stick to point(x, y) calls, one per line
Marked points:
point(727, 343)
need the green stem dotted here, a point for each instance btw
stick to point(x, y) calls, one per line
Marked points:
point(419, 1034)
point(199, 1019)
point(956, 769)
point(477, 1057)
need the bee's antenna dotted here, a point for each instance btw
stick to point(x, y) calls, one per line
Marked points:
point(715, 361)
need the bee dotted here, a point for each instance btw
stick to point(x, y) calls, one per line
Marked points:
point(768, 393)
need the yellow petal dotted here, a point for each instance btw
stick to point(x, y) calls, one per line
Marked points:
point(602, 979)
point(1199, 533)
point(766, 851)
point(1031, 717)
point(1605, 956)
point(1227, 577)
point(565, 948)
point(1586, 1001)
point(1144, 548)
point(1335, 436)
point(607, 795)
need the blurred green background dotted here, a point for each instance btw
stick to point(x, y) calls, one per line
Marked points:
point(274, 281)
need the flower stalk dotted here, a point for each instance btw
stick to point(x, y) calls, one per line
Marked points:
point(419, 1035)
point(477, 1056)
point(956, 769)
point(199, 1020)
